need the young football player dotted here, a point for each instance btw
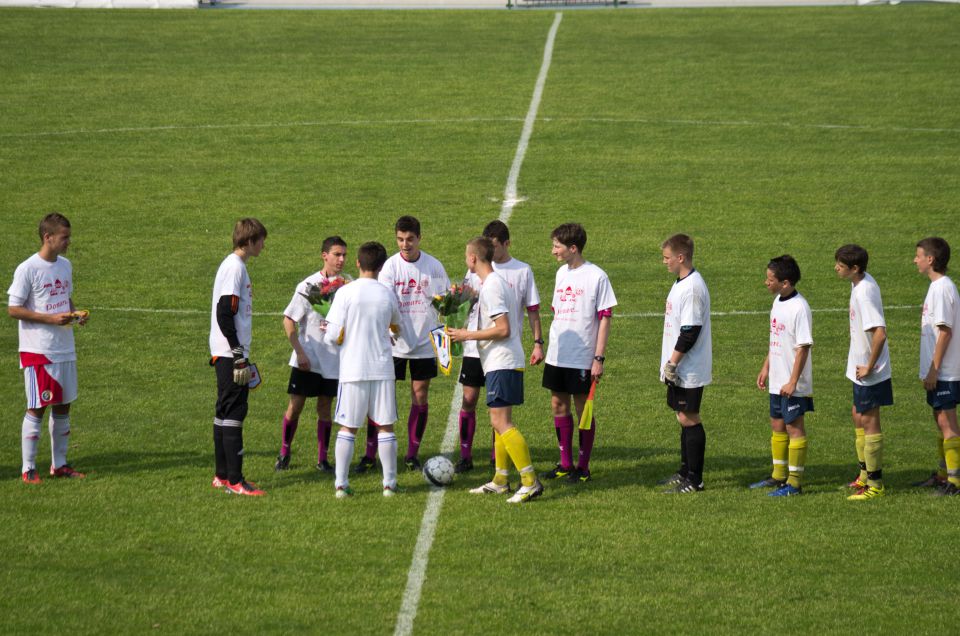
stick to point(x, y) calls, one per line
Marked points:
point(868, 368)
point(41, 299)
point(788, 370)
point(314, 363)
point(360, 321)
point(414, 277)
point(686, 359)
point(519, 278)
point(583, 303)
point(940, 359)
point(497, 333)
point(231, 322)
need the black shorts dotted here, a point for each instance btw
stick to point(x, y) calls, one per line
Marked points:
point(231, 397)
point(420, 368)
point(310, 384)
point(684, 400)
point(564, 380)
point(471, 373)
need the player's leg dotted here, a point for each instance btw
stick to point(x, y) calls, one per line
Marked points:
point(555, 380)
point(59, 389)
point(681, 473)
point(779, 443)
point(873, 455)
point(324, 427)
point(695, 444)
point(471, 380)
point(59, 441)
point(291, 419)
point(793, 417)
point(421, 372)
point(947, 423)
point(232, 406)
point(382, 407)
point(352, 405)
point(30, 429)
point(585, 439)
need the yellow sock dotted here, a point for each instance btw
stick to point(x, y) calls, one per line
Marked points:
point(951, 453)
point(798, 457)
point(778, 447)
point(501, 477)
point(942, 471)
point(861, 457)
point(873, 454)
point(520, 454)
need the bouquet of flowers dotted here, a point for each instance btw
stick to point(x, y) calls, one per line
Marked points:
point(453, 307)
point(321, 296)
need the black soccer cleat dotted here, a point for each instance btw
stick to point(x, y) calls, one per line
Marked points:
point(325, 467)
point(412, 463)
point(684, 486)
point(283, 463)
point(464, 465)
point(364, 465)
point(672, 480)
point(558, 472)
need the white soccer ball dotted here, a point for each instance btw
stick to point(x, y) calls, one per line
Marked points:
point(438, 471)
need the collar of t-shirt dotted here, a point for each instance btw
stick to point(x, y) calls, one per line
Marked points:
point(784, 299)
point(414, 260)
point(688, 275)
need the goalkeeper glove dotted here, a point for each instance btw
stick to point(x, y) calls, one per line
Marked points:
point(670, 373)
point(241, 368)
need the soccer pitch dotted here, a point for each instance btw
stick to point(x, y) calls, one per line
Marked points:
point(757, 131)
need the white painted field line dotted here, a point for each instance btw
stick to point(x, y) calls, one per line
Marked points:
point(759, 312)
point(428, 527)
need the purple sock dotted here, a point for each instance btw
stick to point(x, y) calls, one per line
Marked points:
point(323, 439)
point(564, 426)
point(586, 446)
point(288, 430)
point(493, 448)
point(372, 445)
point(468, 426)
point(416, 426)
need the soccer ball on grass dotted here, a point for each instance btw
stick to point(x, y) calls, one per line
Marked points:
point(438, 471)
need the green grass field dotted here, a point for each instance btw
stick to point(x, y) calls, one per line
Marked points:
point(757, 131)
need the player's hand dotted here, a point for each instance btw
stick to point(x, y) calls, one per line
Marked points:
point(788, 389)
point(457, 335)
point(930, 382)
point(536, 356)
point(80, 316)
point(596, 371)
point(762, 380)
point(670, 373)
point(241, 368)
point(303, 362)
point(862, 371)
point(60, 319)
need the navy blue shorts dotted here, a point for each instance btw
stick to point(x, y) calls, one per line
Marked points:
point(945, 397)
point(789, 409)
point(867, 398)
point(504, 388)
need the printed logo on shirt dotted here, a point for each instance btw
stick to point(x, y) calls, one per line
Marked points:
point(777, 328)
point(411, 286)
point(57, 287)
point(569, 293)
point(669, 308)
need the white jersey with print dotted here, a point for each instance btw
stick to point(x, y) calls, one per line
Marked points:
point(791, 327)
point(519, 278)
point(44, 287)
point(497, 299)
point(324, 357)
point(578, 297)
point(940, 307)
point(359, 321)
point(688, 305)
point(232, 280)
point(414, 285)
point(866, 312)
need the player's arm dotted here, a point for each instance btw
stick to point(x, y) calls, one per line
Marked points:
point(533, 316)
point(290, 327)
point(227, 308)
point(802, 353)
point(603, 334)
point(878, 336)
point(764, 374)
point(944, 334)
point(28, 315)
point(685, 341)
point(499, 331)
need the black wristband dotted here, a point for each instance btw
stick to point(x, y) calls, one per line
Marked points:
point(599, 359)
point(538, 341)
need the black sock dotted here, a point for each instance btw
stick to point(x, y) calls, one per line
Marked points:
point(696, 447)
point(684, 466)
point(218, 454)
point(233, 450)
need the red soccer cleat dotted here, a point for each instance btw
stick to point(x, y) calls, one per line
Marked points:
point(30, 477)
point(219, 482)
point(245, 488)
point(66, 471)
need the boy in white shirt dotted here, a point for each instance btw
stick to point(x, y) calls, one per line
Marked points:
point(940, 359)
point(686, 359)
point(519, 278)
point(314, 364)
point(497, 332)
point(789, 372)
point(231, 325)
point(40, 298)
point(868, 368)
point(582, 304)
point(360, 321)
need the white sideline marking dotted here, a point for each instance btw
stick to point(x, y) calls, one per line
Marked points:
point(755, 312)
point(428, 527)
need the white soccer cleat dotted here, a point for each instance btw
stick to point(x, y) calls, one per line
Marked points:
point(527, 493)
point(343, 492)
point(491, 488)
point(389, 491)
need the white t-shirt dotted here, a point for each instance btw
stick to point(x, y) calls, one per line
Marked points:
point(940, 307)
point(866, 312)
point(44, 287)
point(578, 296)
point(496, 299)
point(232, 280)
point(414, 285)
point(519, 278)
point(324, 357)
point(791, 327)
point(688, 304)
point(360, 319)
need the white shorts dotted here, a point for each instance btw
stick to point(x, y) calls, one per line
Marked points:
point(51, 383)
point(376, 399)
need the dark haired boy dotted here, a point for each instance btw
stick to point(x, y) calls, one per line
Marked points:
point(583, 303)
point(231, 322)
point(315, 364)
point(788, 371)
point(940, 359)
point(868, 368)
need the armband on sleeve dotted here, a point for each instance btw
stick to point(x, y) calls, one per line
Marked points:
point(605, 313)
point(533, 308)
point(688, 338)
point(227, 308)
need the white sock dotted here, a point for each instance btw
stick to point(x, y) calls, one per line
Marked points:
point(387, 449)
point(30, 439)
point(59, 437)
point(343, 452)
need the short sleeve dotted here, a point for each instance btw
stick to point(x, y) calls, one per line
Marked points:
point(20, 288)
point(605, 297)
point(803, 327)
point(531, 296)
point(692, 309)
